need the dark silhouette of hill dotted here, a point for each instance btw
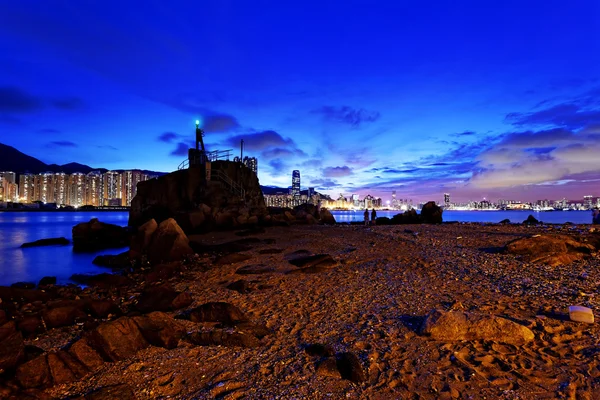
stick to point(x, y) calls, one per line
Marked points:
point(13, 160)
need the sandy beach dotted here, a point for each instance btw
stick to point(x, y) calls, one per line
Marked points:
point(371, 302)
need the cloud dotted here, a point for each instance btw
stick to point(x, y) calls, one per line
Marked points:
point(324, 184)
point(13, 99)
point(282, 152)
point(107, 147)
point(567, 115)
point(219, 123)
point(181, 150)
point(337, 172)
point(70, 103)
point(9, 120)
point(62, 143)
point(48, 130)
point(347, 115)
point(168, 137)
point(279, 165)
point(462, 134)
point(312, 163)
point(533, 158)
point(258, 141)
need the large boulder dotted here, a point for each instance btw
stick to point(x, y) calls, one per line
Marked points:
point(431, 213)
point(407, 217)
point(162, 298)
point(159, 329)
point(117, 340)
point(225, 313)
point(326, 217)
point(12, 349)
point(95, 235)
point(459, 325)
point(169, 243)
point(550, 249)
point(142, 238)
point(181, 194)
point(61, 241)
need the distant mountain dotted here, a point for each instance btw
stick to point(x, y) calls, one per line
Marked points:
point(13, 160)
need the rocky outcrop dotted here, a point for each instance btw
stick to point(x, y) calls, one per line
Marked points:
point(326, 217)
point(12, 349)
point(459, 325)
point(164, 242)
point(95, 235)
point(199, 205)
point(61, 241)
point(431, 213)
point(550, 249)
point(169, 243)
point(162, 298)
point(111, 341)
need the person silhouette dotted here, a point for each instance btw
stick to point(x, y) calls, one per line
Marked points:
point(373, 216)
point(366, 214)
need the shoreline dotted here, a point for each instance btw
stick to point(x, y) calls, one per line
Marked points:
point(370, 302)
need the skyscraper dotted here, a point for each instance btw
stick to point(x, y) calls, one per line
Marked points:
point(296, 183)
point(129, 181)
point(60, 183)
point(76, 189)
point(446, 199)
point(94, 193)
point(26, 184)
point(111, 181)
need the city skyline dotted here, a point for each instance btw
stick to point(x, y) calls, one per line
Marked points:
point(480, 100)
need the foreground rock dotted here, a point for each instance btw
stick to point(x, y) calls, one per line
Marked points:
point(218, 311)
point(164, 242)
point(95, 235)
point(116, 340)
point(199, 205)
point(431, 213)
point(459, 325)
point(162, 298)
point(550, 249)
point(12, 349)
point(61, 241)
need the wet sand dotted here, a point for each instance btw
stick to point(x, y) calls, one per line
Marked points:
point(372, 303)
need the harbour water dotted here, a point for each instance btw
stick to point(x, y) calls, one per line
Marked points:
point(515, 216)
point(31, 264)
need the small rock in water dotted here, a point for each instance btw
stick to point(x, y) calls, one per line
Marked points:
point(581, 314)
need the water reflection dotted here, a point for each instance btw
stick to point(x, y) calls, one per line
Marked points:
point(32, 264)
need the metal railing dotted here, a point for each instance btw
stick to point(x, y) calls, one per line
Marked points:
point(184, 164)
point(234, 187)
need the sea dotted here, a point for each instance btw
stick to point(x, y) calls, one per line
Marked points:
point(32, 264)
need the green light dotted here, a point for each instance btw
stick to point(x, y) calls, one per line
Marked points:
point(197, 122)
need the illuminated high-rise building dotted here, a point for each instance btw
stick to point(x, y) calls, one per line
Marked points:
point(94, 193)
point(446, 199)
point(129, 181)
point(26, 183)
point(111, 182)
point(296, 183)
point(9, 186)
point(587, 202)
point(43, 190)
point(60, 184)
point(76, 189)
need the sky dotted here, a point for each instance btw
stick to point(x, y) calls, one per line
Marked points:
point(495, 100)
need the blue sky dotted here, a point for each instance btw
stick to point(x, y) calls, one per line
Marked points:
point(479, 99)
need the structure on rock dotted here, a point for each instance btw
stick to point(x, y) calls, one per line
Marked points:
point(207, 192)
